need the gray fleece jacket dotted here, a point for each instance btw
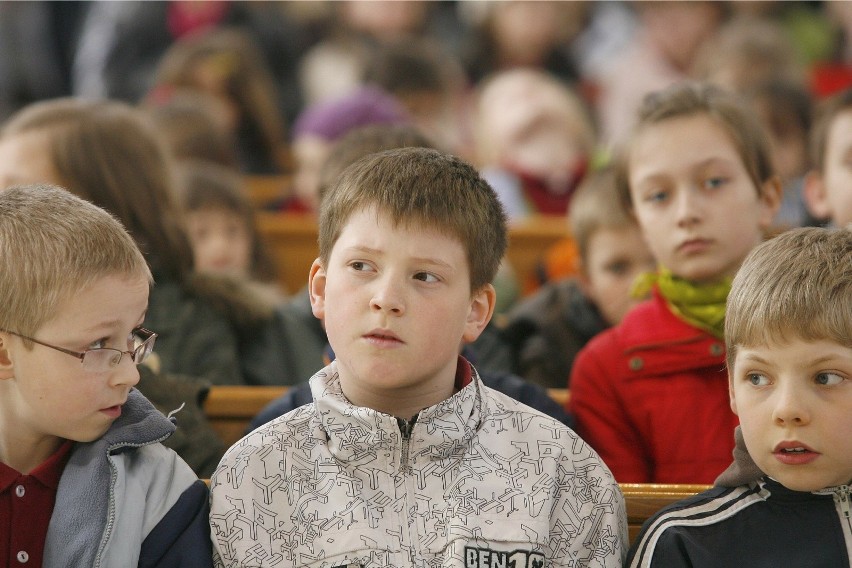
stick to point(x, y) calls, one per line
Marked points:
point(126, 500)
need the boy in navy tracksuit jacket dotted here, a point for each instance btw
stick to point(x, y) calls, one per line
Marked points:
point(785, 501)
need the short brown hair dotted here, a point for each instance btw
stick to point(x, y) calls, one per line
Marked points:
point(826, 113)
point(366, 140)
point(798, 284)
point(52, 245)
point(425, 187)
point(727, 109)
point(595, 206)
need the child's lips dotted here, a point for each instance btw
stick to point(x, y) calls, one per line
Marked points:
point(112, 411)
point(694, 246)
point(383, 338)
point(794, 453)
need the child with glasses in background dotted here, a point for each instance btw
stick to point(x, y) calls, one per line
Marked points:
point(84, 479)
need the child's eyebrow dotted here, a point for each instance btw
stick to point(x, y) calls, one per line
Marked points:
point(113, 323)
point(365, 250)
point(754, 357)
point(417, 259)
point(810, 362)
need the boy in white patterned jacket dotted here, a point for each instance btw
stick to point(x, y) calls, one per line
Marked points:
point(405, 458)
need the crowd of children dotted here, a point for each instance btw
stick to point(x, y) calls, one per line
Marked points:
point(700, 323)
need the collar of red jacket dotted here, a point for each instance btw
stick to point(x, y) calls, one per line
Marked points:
point(657, 342)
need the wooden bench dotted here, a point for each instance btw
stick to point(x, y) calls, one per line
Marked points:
point(265, 189)
point(292, 242)
point(642, 500)
point(230, 408)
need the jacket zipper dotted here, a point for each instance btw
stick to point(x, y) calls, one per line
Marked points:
point(105, 536)
point(841, 495)
point(405, 429)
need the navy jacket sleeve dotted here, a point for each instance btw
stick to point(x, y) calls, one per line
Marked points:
point(182, 537)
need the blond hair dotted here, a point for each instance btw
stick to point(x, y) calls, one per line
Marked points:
point(595, 206)
point(423, 187)
point(798, 284)
point(52, 245)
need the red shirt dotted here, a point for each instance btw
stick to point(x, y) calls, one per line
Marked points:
point(26, 505)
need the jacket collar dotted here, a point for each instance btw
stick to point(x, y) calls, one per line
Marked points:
point(656, 342)
point(744, 471)
point(357, 433)
point(81, 499)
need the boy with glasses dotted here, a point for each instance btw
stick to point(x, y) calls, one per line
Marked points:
point(84, 480)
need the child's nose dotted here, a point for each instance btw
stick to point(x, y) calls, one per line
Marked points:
point(126, 373)
point(790, 407)
point(388, 297)
point(688, 207)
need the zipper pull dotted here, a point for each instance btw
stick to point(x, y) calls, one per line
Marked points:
point(841, 495)
point(405, 427)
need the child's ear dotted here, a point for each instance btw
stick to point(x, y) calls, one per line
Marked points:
point(481, 309)
point(770, 196)
point(7, 368)
point(316, 288)
point(814, 195)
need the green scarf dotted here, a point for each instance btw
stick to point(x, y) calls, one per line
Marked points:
point(701, 305)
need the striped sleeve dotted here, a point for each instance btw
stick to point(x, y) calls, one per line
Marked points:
point(667, 538)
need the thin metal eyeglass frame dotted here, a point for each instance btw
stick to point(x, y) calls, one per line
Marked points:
point(151, 336)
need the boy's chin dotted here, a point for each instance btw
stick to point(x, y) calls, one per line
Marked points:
point(804, 482)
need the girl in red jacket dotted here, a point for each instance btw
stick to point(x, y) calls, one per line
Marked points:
point(651, 394)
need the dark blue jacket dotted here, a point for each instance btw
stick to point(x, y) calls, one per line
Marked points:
point(749, 519)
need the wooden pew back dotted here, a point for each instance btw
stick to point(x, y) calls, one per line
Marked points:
point(265, 189)
point(643, 500)
point(230, 408)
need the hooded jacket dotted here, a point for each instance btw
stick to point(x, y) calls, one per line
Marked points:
point(125, 500)
point(476, 480)
point(749, 519)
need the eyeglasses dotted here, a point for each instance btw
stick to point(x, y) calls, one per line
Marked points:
point(105, 358)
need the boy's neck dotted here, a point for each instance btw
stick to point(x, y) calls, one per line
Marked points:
point(26, 455)
point(407, 402)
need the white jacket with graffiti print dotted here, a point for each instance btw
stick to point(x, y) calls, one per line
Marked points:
point(478, 480)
